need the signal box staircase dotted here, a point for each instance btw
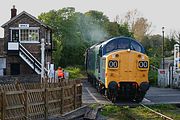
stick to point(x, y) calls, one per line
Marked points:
point(28, 58)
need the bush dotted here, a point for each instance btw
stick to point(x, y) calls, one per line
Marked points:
point(74, 72)
point(153, 77)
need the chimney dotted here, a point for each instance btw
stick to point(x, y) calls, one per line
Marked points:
point(13, 12)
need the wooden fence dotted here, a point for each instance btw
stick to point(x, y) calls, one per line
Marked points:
point(39, 101)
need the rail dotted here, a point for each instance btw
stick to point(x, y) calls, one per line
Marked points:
point(157, 113)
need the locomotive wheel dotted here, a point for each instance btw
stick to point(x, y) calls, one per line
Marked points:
point(111, 95)
point(102, 90)
point(94, 83)
point(139, 97)
point(89, 79)
point(98, 88)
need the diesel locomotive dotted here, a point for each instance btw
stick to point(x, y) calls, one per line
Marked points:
point(118, 68)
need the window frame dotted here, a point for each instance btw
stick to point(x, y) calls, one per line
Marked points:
point(26, 28)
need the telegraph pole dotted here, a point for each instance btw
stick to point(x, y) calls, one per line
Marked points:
point(163, 46)
point(42, 59)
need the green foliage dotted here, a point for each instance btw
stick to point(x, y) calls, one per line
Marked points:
point(115, 29)
point(74, 32)
point(153, 77)
point(153, 74)
point(154, 51)
point(169, 46)
point(74, 72)
point(155, 61)
point(97, 16)
point(153, 45)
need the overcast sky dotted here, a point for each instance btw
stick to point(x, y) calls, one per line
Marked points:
point(160, 12)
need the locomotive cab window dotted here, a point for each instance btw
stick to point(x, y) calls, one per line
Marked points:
point(111, 46)
point(137, 47)
point(123, 44)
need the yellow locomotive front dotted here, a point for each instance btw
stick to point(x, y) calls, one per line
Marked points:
point(126, 74)
point(118, 68)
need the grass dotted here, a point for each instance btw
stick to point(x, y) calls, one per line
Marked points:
point(109, 109)
point(113, 112)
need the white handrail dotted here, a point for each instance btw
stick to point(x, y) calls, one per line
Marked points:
point(30, 55)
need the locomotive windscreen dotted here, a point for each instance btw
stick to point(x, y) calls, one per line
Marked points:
point(122, 44)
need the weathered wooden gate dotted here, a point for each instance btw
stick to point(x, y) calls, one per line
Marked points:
point(39, 101)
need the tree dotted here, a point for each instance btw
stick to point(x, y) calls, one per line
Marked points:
point(115, 29)
point(97, 16)
point(96, 23)
point(153, 45)
point(138, 25)
point(74, 32)
point(140, 28)
point(170, 41)
point(69, 45)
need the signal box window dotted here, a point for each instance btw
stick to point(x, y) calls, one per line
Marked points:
point(29, 35)
point(15, 35)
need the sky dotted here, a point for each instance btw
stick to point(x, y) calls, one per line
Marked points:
point(161, 13)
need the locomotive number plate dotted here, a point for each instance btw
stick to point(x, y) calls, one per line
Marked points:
point(113, 64)
point(143, 64)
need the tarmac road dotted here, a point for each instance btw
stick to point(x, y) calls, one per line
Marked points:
point(162, 96)
point(154, 96)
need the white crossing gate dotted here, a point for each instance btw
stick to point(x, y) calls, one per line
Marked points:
point(163, 77)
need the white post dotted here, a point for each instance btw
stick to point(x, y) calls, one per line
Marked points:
point(42, 59)
point(48, 68)
point(176, 57)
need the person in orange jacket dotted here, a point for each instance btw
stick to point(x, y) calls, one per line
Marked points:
point(60, 73)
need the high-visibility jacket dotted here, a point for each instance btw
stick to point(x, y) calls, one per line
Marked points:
point(60, 73)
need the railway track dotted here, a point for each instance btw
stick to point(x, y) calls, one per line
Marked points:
point(157, 113)
point(88, 113)
point(160, 115)
point(152, 114)
point(92, 93)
